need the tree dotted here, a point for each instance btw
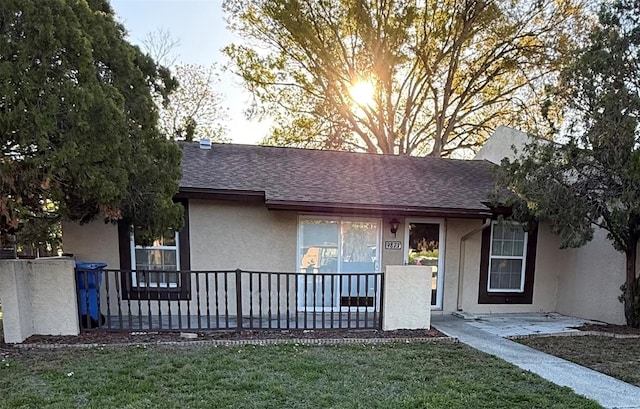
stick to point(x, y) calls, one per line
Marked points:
point(593, 180)
point(161, 46)
point(78, 125)
point(398, 77)
point(194, 109)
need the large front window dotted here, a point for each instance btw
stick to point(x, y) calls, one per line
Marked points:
point(156, 265)
point(338, 254)
point(507, 257)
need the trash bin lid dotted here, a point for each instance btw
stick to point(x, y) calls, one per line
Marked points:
point(90, 265)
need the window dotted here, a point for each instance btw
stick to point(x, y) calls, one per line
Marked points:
point(156, 265)
point(159, 271)
point(339, 256)
point(507, 257)
point(507, 264)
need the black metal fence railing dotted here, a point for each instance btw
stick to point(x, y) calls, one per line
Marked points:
point(227, 300)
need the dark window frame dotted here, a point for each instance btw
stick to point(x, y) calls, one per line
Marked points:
point(496, 297)
point(131, 292)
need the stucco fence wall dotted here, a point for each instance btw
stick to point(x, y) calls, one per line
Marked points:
point(38, 298)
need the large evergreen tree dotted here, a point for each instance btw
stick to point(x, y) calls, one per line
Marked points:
point(397, 76)
point(78, 126)
point(592, 179)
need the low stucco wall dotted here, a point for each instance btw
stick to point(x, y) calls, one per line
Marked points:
point(407, 298)
point(38, 298)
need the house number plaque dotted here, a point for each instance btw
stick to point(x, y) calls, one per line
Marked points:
point(393, 245)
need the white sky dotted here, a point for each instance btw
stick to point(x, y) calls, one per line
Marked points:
point(201, 29)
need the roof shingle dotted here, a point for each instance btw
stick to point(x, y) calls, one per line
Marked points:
point(339, 178)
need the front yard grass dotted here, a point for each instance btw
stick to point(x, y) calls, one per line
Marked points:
point(425, 375)
point(617, 357)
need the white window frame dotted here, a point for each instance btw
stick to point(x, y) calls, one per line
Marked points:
point(523, 257)
point(134, 275)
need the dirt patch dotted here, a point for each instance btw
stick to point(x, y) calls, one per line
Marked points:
point(609, 328)
point(103, 337)
point(615, 357)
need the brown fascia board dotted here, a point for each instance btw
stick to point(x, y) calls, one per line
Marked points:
point(220, 194)
point(347, 208)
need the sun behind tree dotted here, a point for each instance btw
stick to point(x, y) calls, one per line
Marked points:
point(362, 92)
point(447, 73)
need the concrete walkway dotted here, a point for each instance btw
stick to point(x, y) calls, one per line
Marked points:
point(608, 391)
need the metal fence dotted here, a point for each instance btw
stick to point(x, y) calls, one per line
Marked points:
point(227, 300)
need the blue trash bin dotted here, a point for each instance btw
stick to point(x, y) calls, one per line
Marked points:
point(88, 280)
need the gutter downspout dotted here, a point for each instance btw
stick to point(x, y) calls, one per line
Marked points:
point(463, 240)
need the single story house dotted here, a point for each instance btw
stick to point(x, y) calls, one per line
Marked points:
point(274, 209)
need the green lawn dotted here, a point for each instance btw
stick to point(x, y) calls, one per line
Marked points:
point(286, 376)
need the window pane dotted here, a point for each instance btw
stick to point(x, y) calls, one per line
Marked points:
point(154, 279)
point(508, 240)
point(319, 252)
point(142, 258)
point(359, 253)
point(168, 239)
point(505, 274)
point(155, 258)
point(171, 277)
point(359, 242)
point(169, 258)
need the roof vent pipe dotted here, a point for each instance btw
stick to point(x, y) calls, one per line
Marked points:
point(205, 144)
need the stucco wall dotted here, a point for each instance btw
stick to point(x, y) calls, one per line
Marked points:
point(38, 297)
point(95, 241)
point(455, 229)
point(392, 257)
point(501, 143)
point(545, 283)
point(226, 235)
point(589, 281)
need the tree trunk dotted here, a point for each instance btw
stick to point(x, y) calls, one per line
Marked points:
point(630, 309)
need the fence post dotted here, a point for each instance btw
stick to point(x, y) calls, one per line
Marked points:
point(239, 297)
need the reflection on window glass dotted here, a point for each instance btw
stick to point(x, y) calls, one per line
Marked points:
point(342, 255)
point(320, 246)
point(156, 265)
point(328, 244)
point(424, 244)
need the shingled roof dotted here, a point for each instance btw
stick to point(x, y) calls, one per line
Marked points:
point(315, 179)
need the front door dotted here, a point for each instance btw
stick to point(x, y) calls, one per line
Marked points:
point(425, 247)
